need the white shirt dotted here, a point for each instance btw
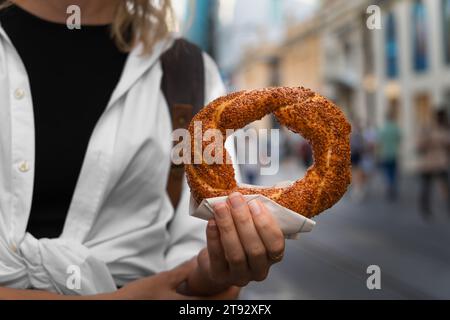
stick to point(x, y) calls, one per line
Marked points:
point(121, 225)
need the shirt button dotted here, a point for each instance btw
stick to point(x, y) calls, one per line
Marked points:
point(24, 167)
point(19, 94)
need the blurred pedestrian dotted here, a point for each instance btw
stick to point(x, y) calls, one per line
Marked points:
point(433, 149)
point(247, 155)
point(389, 146)
point(305, 153)
point(357, 147)
point(368, 162)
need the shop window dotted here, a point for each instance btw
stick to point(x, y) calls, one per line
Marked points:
point(420, 48)
point(391, 47)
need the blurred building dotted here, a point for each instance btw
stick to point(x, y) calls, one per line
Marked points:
point(259, 68)
point(244, 24)
point(403, 68)
point(295, 61)
point(344, 36)
point(412, 65)
point(299, 57)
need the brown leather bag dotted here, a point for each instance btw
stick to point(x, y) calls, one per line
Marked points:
point(183, 85)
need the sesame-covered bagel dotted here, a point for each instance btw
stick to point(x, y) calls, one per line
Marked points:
point(315, 118)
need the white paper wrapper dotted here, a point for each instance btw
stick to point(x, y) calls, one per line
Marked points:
point(290, 222)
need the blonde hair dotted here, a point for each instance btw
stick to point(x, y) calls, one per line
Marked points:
point(138, 21)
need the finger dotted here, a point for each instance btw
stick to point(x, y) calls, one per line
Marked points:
point(234, 253)
point(181, 273)
point(250, 239)
point(268, 230)
point(217, 260)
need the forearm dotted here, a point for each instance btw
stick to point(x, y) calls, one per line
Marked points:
point(18, 294)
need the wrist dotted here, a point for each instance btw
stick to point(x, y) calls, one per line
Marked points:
point(200, 283)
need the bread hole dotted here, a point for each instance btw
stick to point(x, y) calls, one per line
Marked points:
point(267, 156)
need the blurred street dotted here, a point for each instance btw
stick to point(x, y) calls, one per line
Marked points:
point(386, 64)
point(331, 261)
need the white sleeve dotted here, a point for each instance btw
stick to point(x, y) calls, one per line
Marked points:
point(187, 234)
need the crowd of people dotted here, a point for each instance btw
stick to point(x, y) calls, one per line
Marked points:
point(375, 150)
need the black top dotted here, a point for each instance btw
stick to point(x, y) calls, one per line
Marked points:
point(72, 75)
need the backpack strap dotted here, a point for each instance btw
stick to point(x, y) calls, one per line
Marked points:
point(183, 85)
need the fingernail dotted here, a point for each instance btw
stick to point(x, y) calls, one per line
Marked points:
point(255, 208)
point(236, 200)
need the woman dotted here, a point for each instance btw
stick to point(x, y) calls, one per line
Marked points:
point(389, 140)
point(359, 177)
point(85, 145)
point(433, 160)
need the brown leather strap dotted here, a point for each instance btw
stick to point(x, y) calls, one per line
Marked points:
point(183, 85)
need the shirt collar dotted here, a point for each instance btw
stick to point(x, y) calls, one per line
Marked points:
point(137, 64)
point(4, 35)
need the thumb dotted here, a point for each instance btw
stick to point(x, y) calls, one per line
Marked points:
point(182, 272)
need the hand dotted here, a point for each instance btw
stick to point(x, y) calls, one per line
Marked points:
point(243, 242)
point(162, 286)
